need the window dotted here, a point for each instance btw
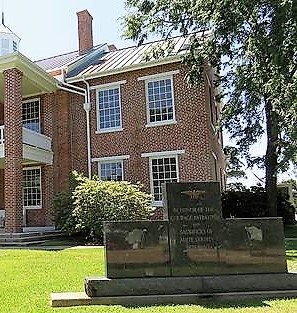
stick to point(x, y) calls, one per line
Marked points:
point(162, 170)
point(14, 46)
point(31, 115)
point(109, 109)
point(4, 46)
point(32, 187)
point(160, 104)
point(111, 171)
point(111, 168)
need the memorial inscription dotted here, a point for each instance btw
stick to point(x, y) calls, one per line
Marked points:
point(194, 240)
point(194, 212)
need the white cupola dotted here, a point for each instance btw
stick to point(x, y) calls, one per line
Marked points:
point(9, 41)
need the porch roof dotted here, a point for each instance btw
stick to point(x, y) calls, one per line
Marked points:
point(35, 81)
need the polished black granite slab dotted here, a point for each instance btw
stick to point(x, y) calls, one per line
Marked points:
point(254, 245)
point(194, 212)
point(137, 249)
point(195, 240)
point(192, 202)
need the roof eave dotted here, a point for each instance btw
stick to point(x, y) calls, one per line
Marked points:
point(29, 69)
point(167, 60)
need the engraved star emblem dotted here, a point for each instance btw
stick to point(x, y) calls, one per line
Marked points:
point(194, 194)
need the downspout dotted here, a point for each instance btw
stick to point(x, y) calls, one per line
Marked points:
point(87, 107)
point(86, 93)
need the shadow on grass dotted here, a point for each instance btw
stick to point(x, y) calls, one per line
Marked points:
point(212, 303)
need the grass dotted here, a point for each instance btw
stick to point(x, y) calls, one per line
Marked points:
point(29, 276)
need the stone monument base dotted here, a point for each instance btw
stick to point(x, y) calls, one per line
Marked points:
point(179, 290)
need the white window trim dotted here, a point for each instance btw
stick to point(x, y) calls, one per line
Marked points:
point(107, 85)
point(102, 88)
point(41, 198)
point(158, 155)
point(156, 77)
point(112, 159)
point(39, 109)
point(216, 169)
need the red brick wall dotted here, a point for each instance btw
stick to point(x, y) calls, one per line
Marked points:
point(85, 32)
point(35, 218)
point(64, 119)
point(62, 142)
point(78, 134)
point(1, 189)
point(191, 133)
point(69, 139)
point(216, 139)
point(13, 150)
point(47, 171)
point(43, 216)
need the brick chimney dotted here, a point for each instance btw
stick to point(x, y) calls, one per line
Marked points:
point(85, 31)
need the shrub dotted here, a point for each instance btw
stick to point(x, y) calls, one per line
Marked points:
point(251, 203)
point(93, 201)
point(63, 206)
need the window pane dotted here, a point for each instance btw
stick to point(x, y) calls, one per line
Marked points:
point(163, 170)
point(111, 171)
point(31, 187)
point(160, 97)
point(109, 108)
point(31, 115)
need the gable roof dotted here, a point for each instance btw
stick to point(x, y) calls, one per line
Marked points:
point(58, 61)
point(65, 60)
point(132, 58)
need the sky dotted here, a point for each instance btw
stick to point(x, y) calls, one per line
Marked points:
point(49, 28)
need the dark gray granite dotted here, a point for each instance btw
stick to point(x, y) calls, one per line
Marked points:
point(254, 246)
point(195, 241)
point(137, 249)
point(102, 286)
point(192, 202)
point(194, 211)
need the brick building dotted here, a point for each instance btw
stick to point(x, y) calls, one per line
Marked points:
point(101, 111)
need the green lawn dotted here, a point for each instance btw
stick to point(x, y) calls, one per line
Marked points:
point(29, 276)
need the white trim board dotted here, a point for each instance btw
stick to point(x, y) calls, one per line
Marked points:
point(111, 158)
point(162, 153)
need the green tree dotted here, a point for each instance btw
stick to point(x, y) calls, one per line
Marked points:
point(253, 43)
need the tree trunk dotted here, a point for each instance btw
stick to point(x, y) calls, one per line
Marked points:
point(271, 159)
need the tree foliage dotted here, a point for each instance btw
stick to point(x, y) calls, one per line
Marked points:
point(242, 202)
point(252, 44)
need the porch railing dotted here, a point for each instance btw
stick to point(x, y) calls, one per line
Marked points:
point(1, 134)
point(31, 138)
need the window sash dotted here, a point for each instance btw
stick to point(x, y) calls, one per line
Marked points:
point(111, 170)
point(160, 100)
point(31, 115)
point(162, 169)
point(109, 108)
point(32, 193)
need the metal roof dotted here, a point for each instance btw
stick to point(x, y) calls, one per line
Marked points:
point(58, 61)
point(133, 57)
point(67, 59)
